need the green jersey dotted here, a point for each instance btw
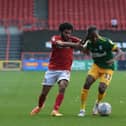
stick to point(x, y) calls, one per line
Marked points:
point(102, 52)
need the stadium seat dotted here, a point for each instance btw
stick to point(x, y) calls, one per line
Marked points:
point(82, 13)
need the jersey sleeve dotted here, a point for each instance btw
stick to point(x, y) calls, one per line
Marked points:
point(88, 44)
point(111, 45)
point(75, 39)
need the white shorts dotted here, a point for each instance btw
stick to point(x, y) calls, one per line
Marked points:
point(53, 76)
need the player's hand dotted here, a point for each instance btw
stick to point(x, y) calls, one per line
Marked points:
point(82, 42)
point(59, 42)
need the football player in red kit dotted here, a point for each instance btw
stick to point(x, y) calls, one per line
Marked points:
point(59, 67)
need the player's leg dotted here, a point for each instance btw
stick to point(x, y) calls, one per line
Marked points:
point(59, 98)
point(42, 98)
point(84, 94)
point(104, 82)
point(62, 82)
point(49, 80)
point(101, 93)
point(92, 76)
point(43, 95)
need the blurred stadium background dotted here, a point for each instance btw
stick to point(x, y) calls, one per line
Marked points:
point(25, 30)
point(27, 25)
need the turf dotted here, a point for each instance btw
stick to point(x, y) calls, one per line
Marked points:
point(19, 93)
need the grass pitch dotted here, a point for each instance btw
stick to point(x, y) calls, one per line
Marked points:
point(19, 94)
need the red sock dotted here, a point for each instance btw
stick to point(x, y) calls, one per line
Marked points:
point(58, 101)
point(41, 100)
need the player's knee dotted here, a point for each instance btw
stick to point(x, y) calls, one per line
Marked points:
point(62, 86)
point(86, 86)
point(63, 83)
point(89, 82)
point(102, 88)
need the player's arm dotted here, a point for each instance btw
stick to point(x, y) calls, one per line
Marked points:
point(84, 46)
point(79, 45)
point(69, 44)
point(118, 54)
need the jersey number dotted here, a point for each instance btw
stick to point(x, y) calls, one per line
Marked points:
point(107, 76)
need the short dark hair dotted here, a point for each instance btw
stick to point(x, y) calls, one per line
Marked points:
point(92, 29)
point(64, 26)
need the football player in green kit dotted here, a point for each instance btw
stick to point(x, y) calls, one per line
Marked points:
point(101, 50)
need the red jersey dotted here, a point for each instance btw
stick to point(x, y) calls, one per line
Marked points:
point(61, 57)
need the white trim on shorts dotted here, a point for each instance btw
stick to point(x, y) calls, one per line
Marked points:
point(53, 76)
